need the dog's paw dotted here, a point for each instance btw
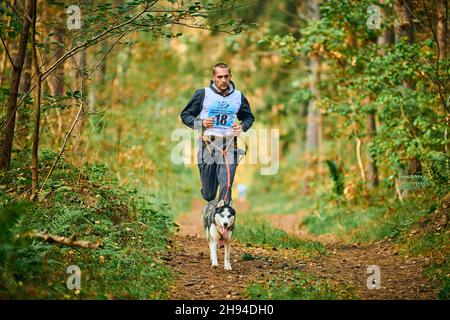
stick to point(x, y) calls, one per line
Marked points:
point(228, 266)
point(214, 265)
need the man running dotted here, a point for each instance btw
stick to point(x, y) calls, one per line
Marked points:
point(214, 110)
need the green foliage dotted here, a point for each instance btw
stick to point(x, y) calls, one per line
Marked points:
point(367, 224)
point(416, 226)
point(438, 166)
point(247, 257)
point(427, 243)
point(439, 271)
point(397, 83)
point(340, 221)
point(400, 84)
point(133, 230)
point(99, 17)
point(252, 231)
point(130, 143)
point(10, 214)
point(299, 287)
point(279, 203)
point(435, 181)
point(337, 176)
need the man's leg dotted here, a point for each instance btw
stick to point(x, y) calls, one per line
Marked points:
point(208, 176)
point(208, 173)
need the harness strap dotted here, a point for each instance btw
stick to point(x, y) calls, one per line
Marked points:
point(207, 139)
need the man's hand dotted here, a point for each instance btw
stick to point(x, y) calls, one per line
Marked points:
point(208, 123)
point(237, 129)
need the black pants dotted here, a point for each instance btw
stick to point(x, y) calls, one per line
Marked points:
point(213, 167)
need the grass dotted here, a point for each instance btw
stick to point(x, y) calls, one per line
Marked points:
point(364, 219)
point(426, 244)
point(299, 286)
point(340, 221)
point(417, 226)
point(132, 226)
point(279, 203)
point(429, 238)
point(252, 231)
point(367, 224)
point(440, 273)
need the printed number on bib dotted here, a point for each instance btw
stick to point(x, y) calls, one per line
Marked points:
point(222, 118)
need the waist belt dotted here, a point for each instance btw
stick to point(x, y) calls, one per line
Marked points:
point(209, 139)
point(212, 138)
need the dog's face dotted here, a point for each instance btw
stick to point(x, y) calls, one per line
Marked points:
point(224, 217)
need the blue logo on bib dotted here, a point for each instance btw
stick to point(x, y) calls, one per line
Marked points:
point(223, 114)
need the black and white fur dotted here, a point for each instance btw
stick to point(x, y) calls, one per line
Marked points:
point(218, 221)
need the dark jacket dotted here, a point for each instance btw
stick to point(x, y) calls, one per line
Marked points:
point(194, 107)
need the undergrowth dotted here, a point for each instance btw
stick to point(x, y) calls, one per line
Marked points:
point(252, 231)
point(131, 226)
point(299, 286)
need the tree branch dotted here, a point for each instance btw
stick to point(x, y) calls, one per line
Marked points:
point(72, 52)
point(65, 241)
point(7, 51)
point(77, 118)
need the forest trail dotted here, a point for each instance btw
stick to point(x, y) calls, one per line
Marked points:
point(344, 265)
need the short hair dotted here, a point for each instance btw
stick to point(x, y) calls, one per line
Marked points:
point(220, 65)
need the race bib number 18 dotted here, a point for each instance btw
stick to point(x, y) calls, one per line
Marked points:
point(223, 118)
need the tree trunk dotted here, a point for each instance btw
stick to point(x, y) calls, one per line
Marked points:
point(359, 159)
point(442, 28)
point(3, 67)
point(23, 115)
point(25, 80)
point(81, 79)
point(405, 29)
point(56, 82)
point(103, 67)
point(313, 129)
point(5, 60)
point(10, 121)
point(442, 37)
point(386, 38)
point(373, 169)
point(58, 74)
point(37, 109)
point(405, 25)
point(3, 64)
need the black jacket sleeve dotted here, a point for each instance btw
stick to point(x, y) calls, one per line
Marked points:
point(193, 109)
point(245, 115)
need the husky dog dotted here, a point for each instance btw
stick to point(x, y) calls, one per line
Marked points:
point(218, 221)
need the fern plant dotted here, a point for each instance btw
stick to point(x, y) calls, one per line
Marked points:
point(337, 177)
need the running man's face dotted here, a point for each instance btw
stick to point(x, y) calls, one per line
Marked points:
point(222, 78)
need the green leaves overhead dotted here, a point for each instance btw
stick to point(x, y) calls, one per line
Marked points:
point(399, 83)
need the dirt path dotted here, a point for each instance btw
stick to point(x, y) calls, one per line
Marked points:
point(346, 265)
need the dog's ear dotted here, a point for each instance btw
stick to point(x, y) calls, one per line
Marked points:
point(231, 203)
point(221, 203)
